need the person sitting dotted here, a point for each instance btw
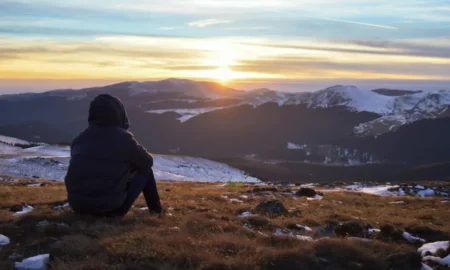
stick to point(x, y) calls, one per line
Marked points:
point(108, 168)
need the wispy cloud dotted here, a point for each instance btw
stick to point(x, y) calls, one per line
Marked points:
point(244, 28)
point(359, 23)
point(204, 23)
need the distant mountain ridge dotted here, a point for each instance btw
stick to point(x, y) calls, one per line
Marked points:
point(211, 120)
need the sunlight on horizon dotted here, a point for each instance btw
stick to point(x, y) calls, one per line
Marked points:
point(281, 40)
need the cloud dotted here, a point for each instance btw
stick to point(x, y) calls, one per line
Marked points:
point(204, 23)
point(246, 28)
point(136, 57)
point(359, 23)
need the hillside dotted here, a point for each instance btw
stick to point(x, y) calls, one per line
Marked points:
point(216, 226)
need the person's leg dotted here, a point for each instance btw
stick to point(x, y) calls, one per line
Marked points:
point(151, 194)
point(140, 182)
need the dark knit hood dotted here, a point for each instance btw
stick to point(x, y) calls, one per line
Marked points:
point(107, 110)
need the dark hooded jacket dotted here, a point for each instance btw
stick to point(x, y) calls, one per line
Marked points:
point(102, 159)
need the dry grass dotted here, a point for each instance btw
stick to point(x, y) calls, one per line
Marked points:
point(202, 230)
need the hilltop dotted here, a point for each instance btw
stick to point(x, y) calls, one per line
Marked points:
point(226, 226)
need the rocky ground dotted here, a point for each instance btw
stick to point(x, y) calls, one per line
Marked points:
point(226, 226)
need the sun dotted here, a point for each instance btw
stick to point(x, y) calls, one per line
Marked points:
point(224, 74)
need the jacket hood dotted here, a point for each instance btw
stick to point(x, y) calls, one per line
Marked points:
point(107, 110)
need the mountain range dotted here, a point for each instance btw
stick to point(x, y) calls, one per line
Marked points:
point(339, 125)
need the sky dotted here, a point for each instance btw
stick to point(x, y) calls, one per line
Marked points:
point(292, 45)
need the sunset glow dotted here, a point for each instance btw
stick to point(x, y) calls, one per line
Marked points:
point(224, 41)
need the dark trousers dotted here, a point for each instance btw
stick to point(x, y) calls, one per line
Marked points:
point(140, 182)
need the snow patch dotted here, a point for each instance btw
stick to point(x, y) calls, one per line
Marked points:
point(304, 227)
point(235, 201)
point(247, 214)
point(411, 238)
point(25, 210)
point(426, 193)
point(187, 114)
point(38, 262)
point(51, 162)
point(432, 248)
point(425, 267)
point(444, 262)
point(383, 190)
point(4, 240)
point(397, 202)
point(317, 197)
point(294, 146)
point(12, 141)
point(280, 232)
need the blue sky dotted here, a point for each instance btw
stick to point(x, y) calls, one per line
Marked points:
point(60, 44)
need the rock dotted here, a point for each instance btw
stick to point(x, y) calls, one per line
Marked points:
point(404, 261)
point(391, 233)
point(15, 208)
point(428, 233)
point(306, 192)
point(295, 213)
point(273, 208)
point(353, 228)
point(326, 231)
point(257, 222)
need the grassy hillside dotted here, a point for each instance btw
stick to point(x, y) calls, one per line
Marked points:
point(202, 229)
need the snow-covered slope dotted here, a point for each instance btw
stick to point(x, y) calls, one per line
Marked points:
point(353, 98)
point(51, 162)
point(12, 141)
point(408, 109)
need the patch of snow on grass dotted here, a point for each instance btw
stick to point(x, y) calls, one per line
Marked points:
point(280, 232)
point(372, 230)
point(308, 185)
point(411, 238)
point(304, 227)
point(432, 248)
point(425, 267)
point(317, 197)
point(4, 240)
point(444, 262)
point(235, 201)
point(426, 193)
point(397, 202)
point(184, 168)
point(383, 190)
point(25, 210)
point(304, 238)
point(61, 207)
point(38, 262)
point(34, 185)
point(293, 146)
point(187, 114)
point(247, 214)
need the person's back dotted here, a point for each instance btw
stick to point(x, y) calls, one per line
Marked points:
point(103, 159)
